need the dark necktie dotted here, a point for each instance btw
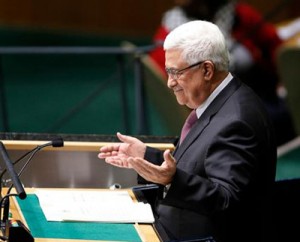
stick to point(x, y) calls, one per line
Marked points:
point(189, 122)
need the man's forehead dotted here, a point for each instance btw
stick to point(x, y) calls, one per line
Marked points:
point(173, 57)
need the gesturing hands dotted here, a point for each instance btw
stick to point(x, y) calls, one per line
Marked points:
point(116, 154)
point(130, 154)
point(162, 174)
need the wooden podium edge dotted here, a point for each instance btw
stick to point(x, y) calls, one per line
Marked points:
point(72, 145)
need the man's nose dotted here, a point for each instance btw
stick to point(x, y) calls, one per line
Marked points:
point(171, 81)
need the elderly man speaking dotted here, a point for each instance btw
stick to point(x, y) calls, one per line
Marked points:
point(218, 180)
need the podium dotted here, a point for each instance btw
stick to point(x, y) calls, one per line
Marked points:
point(73, 231)
point(75, 166)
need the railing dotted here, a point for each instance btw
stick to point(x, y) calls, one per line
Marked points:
point(137, 52)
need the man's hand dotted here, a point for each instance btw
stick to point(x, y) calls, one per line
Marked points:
point(162, 174)
point(116, 154)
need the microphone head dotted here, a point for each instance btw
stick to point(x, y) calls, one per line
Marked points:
point(58, 142)
point(22, 195)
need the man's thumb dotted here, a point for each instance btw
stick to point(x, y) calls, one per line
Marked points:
point(125, 138)
point(168, 156)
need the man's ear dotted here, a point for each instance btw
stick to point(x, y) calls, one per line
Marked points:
point(208, 69)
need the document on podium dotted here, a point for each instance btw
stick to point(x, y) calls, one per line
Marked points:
point(93, 206)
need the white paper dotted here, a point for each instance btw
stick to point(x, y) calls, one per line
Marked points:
point(93, 206)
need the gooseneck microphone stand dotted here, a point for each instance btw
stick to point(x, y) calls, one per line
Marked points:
point(13, 234)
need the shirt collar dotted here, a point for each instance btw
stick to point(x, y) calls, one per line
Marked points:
point(212, 96)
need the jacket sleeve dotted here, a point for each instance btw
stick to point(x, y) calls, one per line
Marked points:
point(154, 156)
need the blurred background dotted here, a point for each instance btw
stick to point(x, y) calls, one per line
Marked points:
point(79, 91)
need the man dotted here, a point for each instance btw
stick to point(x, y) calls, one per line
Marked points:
point(220, 176)
point(253, 43)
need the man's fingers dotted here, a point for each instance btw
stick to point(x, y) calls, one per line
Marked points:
point(111, 147)
point(140, 166)
point(168, 157)
point(103, 155)
point(117, 161)
point(125, 138)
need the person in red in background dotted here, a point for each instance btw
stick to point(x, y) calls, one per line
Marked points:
point(252, 43)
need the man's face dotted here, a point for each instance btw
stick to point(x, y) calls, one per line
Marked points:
point(190, 87)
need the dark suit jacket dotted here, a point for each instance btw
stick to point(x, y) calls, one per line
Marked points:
point(225, 172)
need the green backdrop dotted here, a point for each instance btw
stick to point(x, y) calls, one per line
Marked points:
point(67, 93)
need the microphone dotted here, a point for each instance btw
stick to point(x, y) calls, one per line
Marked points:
point(58, 142)
point(15, 181)
point(13, 175)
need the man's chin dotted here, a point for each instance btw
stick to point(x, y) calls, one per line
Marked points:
point(180, 101)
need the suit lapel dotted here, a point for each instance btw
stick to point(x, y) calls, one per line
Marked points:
point(205, 118)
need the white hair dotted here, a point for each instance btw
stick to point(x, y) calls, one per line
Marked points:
point(199, 41)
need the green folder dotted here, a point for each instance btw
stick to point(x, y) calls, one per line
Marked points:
point(41, 228)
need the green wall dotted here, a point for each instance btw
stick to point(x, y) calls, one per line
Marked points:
point(66, 93)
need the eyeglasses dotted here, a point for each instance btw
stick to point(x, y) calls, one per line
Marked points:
point(175, 74)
